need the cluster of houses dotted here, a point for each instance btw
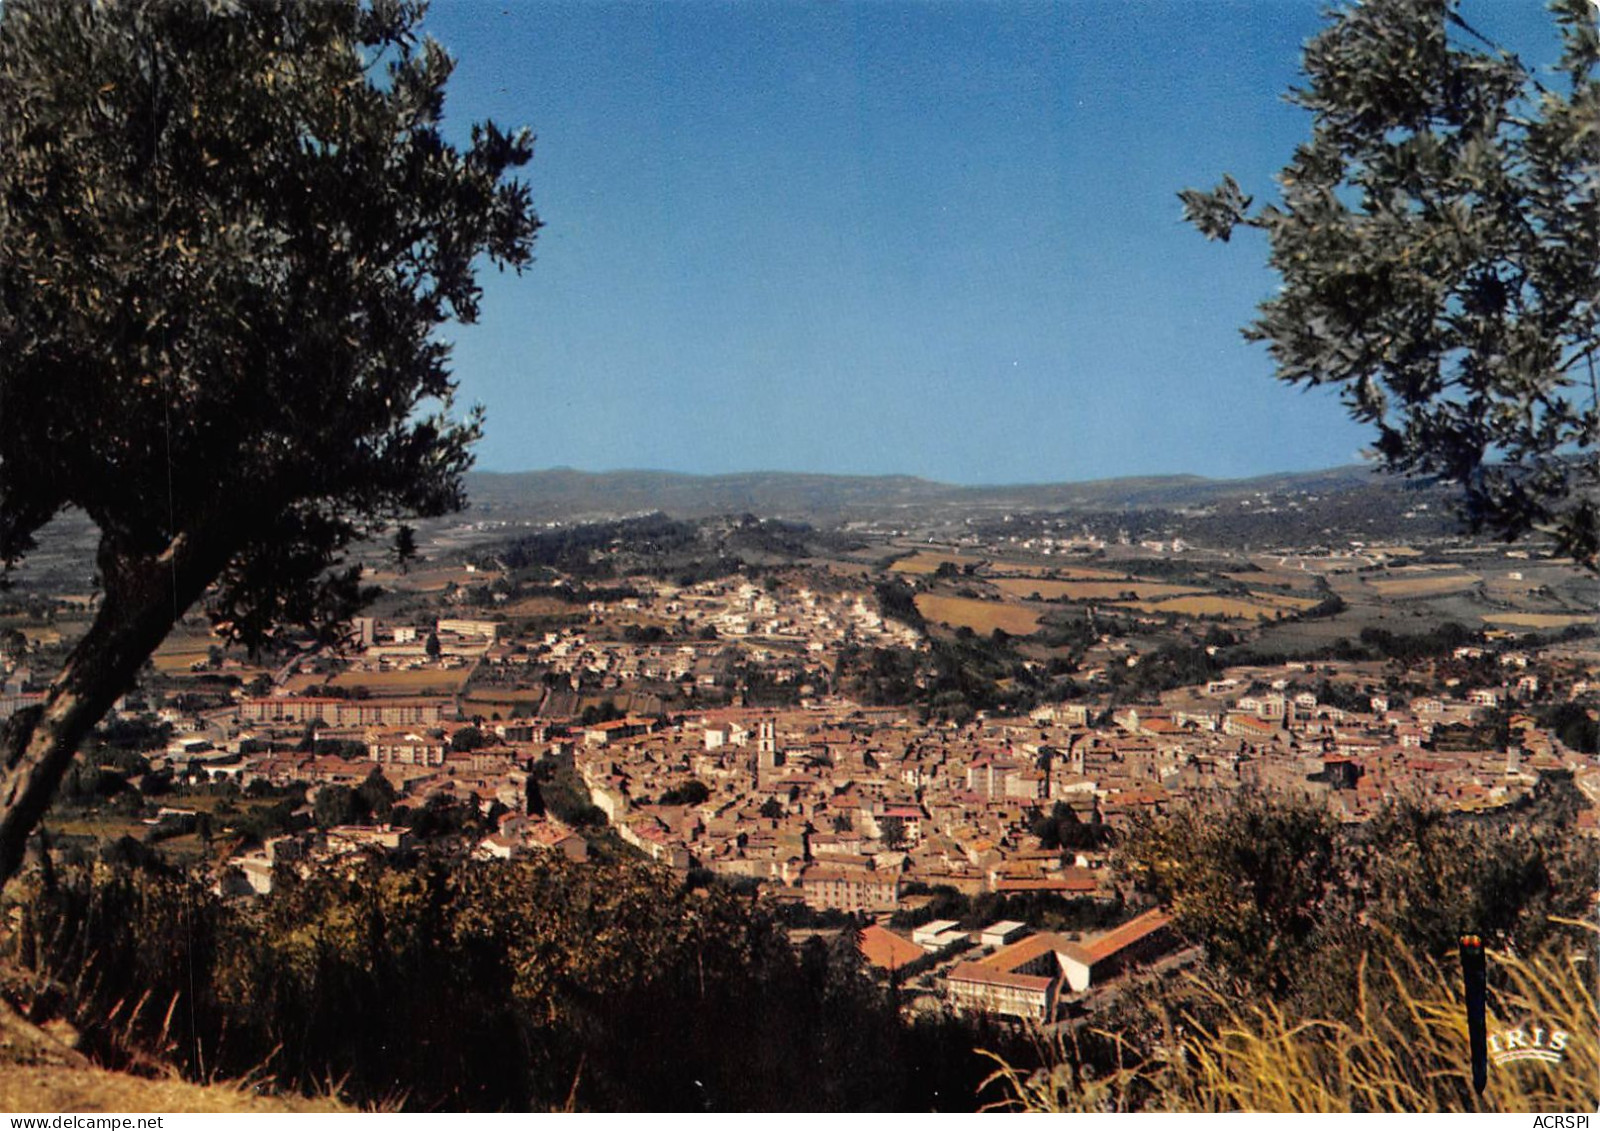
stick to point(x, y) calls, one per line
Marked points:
point(844, 807)
point(712, 625)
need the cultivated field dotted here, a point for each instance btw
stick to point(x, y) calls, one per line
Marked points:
point(1539, 620)
point(1284, 601)
point(504, 702)
point(1066, 573)
point(924, 562)
point(542, 607)
point(432, 579)
point(1283, 578)
point(1315, 563)
point(1423, 584)
point(1023, 588)
point(1229, 608)
point(405, 682)
point(571, 704)
point(980, 616)
point(182, 650)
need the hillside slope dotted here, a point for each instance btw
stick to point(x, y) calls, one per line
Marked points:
point(41, 1072)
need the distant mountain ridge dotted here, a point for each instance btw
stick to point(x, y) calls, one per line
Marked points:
point(566, 494)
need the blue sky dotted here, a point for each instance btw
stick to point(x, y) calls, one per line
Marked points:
point(891, 238)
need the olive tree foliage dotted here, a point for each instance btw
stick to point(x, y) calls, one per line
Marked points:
point(229, 235)
point(1438, 239)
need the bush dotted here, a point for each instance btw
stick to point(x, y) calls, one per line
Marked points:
point(468, 986)
point(1286, 901)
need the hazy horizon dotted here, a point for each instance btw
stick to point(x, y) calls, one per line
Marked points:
point(824, 474)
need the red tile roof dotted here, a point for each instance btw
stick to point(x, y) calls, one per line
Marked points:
point(887, 950)
point(1134, 930)
point(1022, 952)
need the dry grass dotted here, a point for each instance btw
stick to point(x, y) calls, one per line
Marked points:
point(927, 561)
point(1090, 590)
point(1233, 608)
point(432, 580)
point(924, 562)
point(504, 702)
point(1424, 585)
point(1539, 620)
point(1286, 578)
point(1066, 573)
point(980, 616)
point(1340, 563)
point(1075, 573)
point(41, 1070)
point(1284, 601)
point(42, 1088)
point(422, 682)
point(1405, 1052)
point(181, 650)
point(542, 607)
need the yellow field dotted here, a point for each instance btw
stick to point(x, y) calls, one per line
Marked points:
point(1287, 578)
point(1284, 601)
point(1090, 590)
point(1538, 620)
point(1233, 608)
point(980, 616)
point(405, 683)
point(1424, 586)
point(1037, 569)
point(1085, 573)
point(179, 651)
point(541, 607)
point(925, 562)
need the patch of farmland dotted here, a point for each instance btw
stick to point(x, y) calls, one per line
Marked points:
point(420, 682)
point(1539, 620)
point(571, 704)
point(1314, 563)
point(1423, 584)
point(1284, 601)
point(924, 562)
point(504, 702)
point(1085, 573)
point(181, 650)
point(1282, 578)
point(541, 607)
point(1090, 590)
point(1426, 567)
point(1505, 588)
point(981, 616)
point(432, 580)
point(1042, 569)
point(1231, 608)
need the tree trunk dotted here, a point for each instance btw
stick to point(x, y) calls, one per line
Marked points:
point(144, 596)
